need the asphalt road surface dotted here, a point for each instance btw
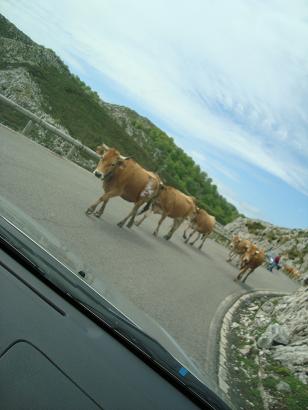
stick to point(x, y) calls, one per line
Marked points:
point(176, 284)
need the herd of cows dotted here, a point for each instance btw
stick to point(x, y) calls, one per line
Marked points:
point(124, 177)
point(250, 257)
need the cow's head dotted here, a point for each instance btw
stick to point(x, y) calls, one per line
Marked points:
point(235, 241)
point(250, 254)
point(194, 214)
point(110, 159)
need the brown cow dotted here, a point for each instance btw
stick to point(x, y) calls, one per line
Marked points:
point(252, 258)
point(238, 247)
point(296, 274)
point(125, 178)
point(202, 223)
point(292, 272)
point(173, 203)
point(233, 244)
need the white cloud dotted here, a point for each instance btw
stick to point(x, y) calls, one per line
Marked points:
point(244, 207)
point(210, 163)
point(197, 156)
point(230, 74)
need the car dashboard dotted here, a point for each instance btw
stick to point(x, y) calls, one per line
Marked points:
point(56, 355)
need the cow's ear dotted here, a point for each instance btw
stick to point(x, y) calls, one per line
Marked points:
point(106, 148)
point(119, 161)
point(100, 150)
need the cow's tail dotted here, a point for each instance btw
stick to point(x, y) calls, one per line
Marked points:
point(150, 201)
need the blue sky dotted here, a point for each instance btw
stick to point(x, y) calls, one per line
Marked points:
point(226, 79)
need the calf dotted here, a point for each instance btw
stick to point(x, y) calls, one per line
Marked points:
point(202, 223)
point(173, 203)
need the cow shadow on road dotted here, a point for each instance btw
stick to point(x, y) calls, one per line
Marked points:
point(245, 286)
point(130, 235)
point(200, 252)
point(172, 245)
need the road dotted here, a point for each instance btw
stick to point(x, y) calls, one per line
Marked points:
point(174, 283)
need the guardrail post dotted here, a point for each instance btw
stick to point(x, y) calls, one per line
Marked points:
point(27, 128)
point(70, 152)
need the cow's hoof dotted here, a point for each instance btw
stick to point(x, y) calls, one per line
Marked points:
point(235, 280)
point(167, 237)
point(89, 211)
point(191, 243)
point(154, 233)
point(120, 224)
point(97, 214)
point(130, 224)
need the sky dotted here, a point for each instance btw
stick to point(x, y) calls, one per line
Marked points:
point(228, 80)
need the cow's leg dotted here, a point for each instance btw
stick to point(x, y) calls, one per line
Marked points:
point(100, 211)
point(197, 237)
point(162, 218)
point(190, 235)
point(104, 198)
point(131, 215)
point(241, 273)
point(231, 254)
point(238, 261)
point(185, 231)
point(147, 213)
point(248, 273)
point(176, 224)
point(203, 240)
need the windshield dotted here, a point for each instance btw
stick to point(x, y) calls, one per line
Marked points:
point(157, 152)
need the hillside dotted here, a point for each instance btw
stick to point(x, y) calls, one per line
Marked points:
point(36, 78)
point(291, 243)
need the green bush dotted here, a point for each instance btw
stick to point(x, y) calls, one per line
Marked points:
point(271, 236)
point(255, 227)
point(294, 253)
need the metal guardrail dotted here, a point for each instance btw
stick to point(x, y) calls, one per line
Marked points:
point(49, 127)
point(220, 231)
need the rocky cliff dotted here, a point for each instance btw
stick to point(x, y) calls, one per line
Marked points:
point(268, 356)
